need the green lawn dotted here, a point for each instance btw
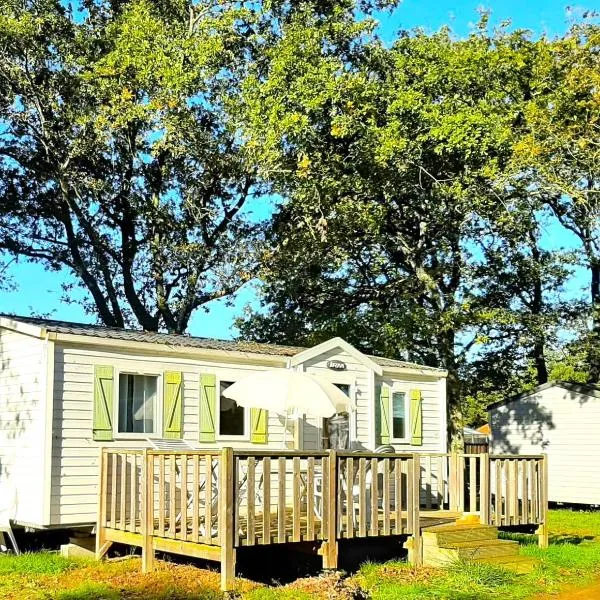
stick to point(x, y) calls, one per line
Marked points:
point(573, 558)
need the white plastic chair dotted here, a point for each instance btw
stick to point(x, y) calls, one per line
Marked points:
point(355, 487)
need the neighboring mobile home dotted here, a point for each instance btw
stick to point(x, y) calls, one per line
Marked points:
point(68, 389)
point(562, 420)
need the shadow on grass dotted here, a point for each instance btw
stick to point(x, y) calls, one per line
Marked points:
point(285, 563)
point(530, 539)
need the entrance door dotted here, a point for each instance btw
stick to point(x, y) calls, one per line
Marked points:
point(336, 429)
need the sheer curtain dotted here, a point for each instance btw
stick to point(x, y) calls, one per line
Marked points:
point(137, 399)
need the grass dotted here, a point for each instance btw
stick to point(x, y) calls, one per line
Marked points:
point(573, 558)
point(36, 563)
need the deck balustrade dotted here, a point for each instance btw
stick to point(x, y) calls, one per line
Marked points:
point(208, 503)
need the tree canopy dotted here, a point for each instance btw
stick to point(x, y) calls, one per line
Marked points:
point(413, 223)
point(122, 157)
point(422, 183)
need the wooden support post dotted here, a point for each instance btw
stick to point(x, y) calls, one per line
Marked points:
point(147, 512)
point(226, 520)
point(102, 545)
point(415, 555)
point(542, 530)
point(485, 497)
point(330, 546)
point(453, 479)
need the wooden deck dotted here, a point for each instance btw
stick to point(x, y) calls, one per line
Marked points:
point(207, 504)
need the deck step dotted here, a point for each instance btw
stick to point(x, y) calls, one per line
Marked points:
point(442, 535)
point(434, 555)
point(518, 564)
point(470, 551)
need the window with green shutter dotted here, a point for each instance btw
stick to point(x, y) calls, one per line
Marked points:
point(382, 416)
point(416, 418)
point(208, 407)
point(259, 420)
point(102, 422)
point(173, 405)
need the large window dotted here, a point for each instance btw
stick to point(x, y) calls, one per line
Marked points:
point(232, 418)
point(137, 403)
point(398, 415)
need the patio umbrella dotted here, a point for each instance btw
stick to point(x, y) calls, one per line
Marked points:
point(283, 391)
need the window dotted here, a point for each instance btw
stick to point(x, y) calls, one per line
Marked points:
point(232, 418)
point(137, 403)
point(336, 429)
point(398, 415)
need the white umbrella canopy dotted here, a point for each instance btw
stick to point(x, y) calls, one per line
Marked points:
point(282, 391)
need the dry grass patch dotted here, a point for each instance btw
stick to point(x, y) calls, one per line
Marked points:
point(119, 580)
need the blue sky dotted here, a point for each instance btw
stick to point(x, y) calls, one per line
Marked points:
point(39, 291)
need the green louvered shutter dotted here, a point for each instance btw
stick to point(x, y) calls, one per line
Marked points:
point(103, 404)
point(382, 416)
point(259, 419)
point(208, 407)
point(416, 418)
point(173, 405)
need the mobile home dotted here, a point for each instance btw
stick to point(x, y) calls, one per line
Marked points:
point(561, 420)
point(68, 389)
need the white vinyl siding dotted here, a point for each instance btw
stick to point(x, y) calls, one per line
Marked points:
point(75, 454)
point(22, 426)
point(433, 406)
point(564, 425)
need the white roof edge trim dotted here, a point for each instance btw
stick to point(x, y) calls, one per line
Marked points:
point(438, 374)
point(336, 342)
point(24, 328)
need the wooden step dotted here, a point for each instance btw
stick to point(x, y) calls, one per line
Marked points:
point(442, 535)
point(518, 564)
point(472, 550)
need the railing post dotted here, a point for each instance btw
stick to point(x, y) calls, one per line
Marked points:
point(147, 513)
point(330, 546)
point(226, 520)
point(542, 530)
point(485, 497)
point(101, 520)
point(415, 555)
point(454, 482)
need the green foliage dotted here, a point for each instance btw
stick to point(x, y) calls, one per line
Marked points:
point(558, 147)
point(89, 591)
point(123, 157)
point(412, 226)
point(398, 234)
point(40, 563)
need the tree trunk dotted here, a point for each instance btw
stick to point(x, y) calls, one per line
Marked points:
point(593, 348)
point(540, 362)
point(453, 391)
point(537, 309)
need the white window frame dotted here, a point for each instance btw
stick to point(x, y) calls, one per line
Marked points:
point(245, 437)
point(158, 425)
point(403, 389)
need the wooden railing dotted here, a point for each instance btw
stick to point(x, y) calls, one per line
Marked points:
point(377, 494)
point(281, 497)
point(207, 503)
point(519, 492)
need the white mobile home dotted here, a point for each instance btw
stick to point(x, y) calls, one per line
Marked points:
point(68, 389)
point(561, 420)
